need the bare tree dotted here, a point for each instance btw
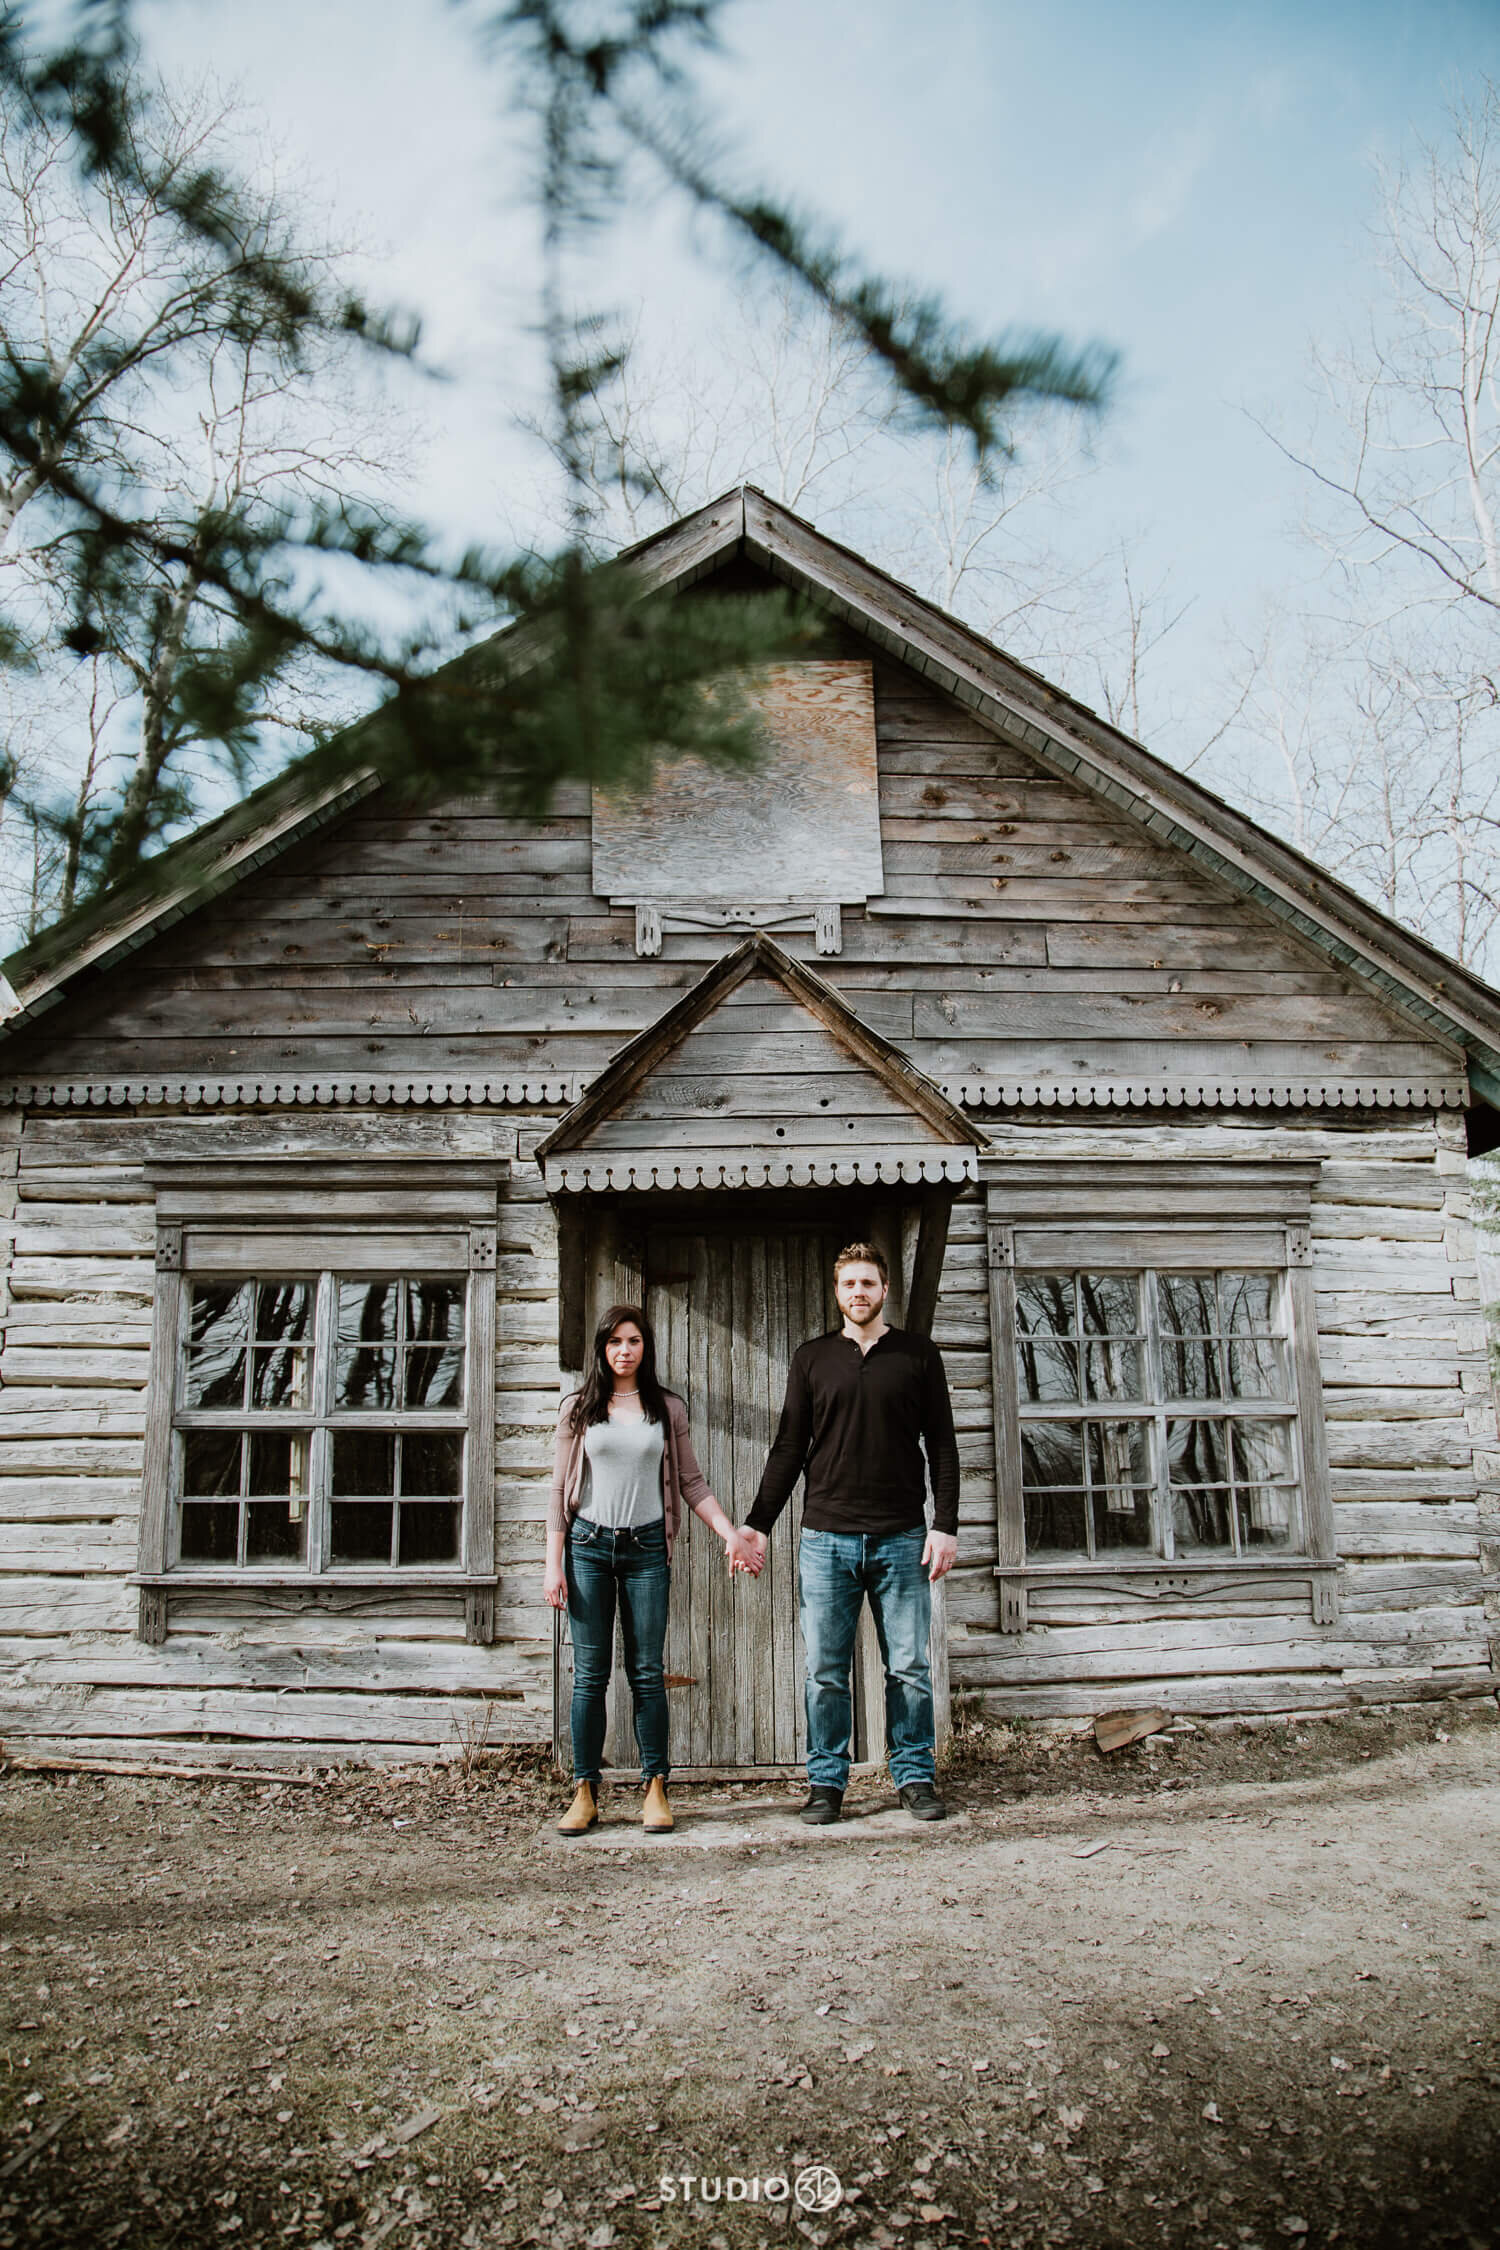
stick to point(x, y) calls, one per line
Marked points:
point(1377, 753)
point(97, 291)
point(790, 399)
point(1408, 458)
point(1363, 719)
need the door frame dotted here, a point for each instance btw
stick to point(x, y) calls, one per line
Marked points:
point(601, 1260)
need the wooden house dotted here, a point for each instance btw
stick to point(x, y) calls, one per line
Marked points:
point(320, 1162)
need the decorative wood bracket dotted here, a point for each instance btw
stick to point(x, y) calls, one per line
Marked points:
point(828, 929)
point(168, 1249)
point(1151, 1583)
point(151, 1621)
point(479, 1616)
point(1298, 1246)
point(824, 920)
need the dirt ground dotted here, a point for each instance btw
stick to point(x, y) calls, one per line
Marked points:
point(1239, 1989)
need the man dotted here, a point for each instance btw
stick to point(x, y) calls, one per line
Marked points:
point(860, 1404)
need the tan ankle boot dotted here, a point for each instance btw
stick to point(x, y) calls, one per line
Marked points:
point(656, 1813)
point(582, 1814)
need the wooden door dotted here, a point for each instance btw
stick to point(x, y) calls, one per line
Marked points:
point(730, 1303)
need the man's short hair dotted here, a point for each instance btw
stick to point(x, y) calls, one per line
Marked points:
point(862, 1254)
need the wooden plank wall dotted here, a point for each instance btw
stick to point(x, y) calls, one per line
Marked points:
point(1406, 1390)
point(1036, 934)
point(258, 1676)
point(1027, 932)
point(1415, 1471)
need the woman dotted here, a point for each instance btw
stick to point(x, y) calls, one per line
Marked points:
point(624, 1468)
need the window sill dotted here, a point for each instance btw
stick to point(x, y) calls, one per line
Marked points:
point(1311, 1577)
point(241, 1581)
point(1156, 1566)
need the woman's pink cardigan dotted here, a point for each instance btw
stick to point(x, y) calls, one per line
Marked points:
point(682, 1481)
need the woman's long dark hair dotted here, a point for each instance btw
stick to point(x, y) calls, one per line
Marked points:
point(592, 1402)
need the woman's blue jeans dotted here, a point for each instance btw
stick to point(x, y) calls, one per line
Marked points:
point(628, 1569)
point(837, 1569)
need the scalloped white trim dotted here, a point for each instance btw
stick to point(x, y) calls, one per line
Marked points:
point(228, 1093)
point(547, 1093)
point(991, 1093)
point(574, 1172)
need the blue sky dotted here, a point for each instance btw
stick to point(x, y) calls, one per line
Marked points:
point(1190, 183)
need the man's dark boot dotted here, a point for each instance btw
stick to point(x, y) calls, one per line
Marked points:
point(923, 1802)
point(823, 1805)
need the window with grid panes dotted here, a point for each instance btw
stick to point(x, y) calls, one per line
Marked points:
point(321, 1421)
point(1158, 1415)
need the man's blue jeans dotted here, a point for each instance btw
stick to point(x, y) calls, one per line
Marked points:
point(604, 1566)
point(838, 1569)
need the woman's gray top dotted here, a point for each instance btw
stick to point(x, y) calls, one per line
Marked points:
point(622, 1472)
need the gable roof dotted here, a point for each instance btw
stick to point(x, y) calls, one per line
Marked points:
point(1059, 733)
point(811, 1094)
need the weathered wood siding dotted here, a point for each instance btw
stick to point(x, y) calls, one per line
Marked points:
point(1027, 935)
point(1415, 1470)
point(240, 1675)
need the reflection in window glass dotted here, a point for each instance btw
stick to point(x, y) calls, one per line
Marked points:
point(1049, 1372)
point(1189, 1306)
point(1045, 1304)
point(271, 1472)
point(434, 1378)
point(1247, 1301)
point(1265, 1517)
point(1114, 1370)
point(1255, 1367)
point(218, 1333)
point(1190, 1367)
point(369, 1311)
point(1218, 1477)
point(1056, 1522)
point(1086, 1484)
point(211, 1463)
point(1052, 1453)
point(1119, 1453)
point(366, 1379)
point(1197, 1452)
point(1121, 1517)
point(1200, 1518)
point(1109, 1304)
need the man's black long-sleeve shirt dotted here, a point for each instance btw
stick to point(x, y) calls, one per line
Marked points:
point(852, 1421)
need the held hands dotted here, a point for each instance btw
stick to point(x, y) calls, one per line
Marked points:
point(744, 1550)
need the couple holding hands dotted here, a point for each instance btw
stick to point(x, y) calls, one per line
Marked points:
point(862, 1403)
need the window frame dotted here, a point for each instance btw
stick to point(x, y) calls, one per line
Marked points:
point(305, 1220)
point(1156, 1408)
point(321, 1421)
point(1095, 1215)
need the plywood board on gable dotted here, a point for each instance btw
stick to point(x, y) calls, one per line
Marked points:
point(803, 825)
